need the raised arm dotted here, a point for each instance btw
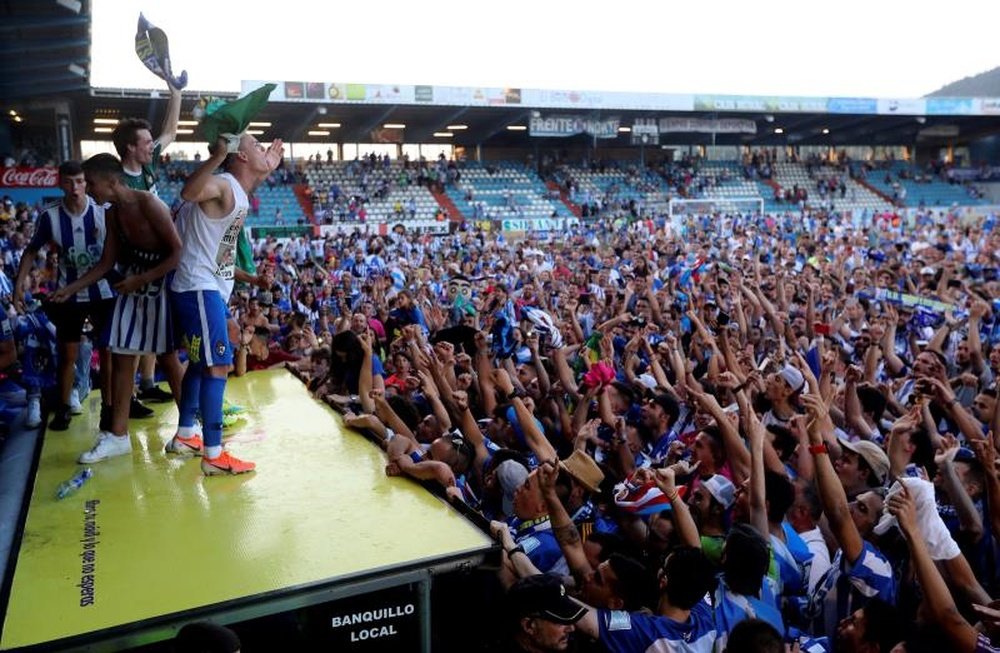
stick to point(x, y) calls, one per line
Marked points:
point(758, 499)
point(562, 525)
point(687, 530)
point(542, 448)
point(969, 520)
point(202, 186)
point(168, 132)
point(986, 453)
point(831, 492)
point(938, 601)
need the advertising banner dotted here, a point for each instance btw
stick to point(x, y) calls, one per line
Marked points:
point(707, 125)
point(29, 177)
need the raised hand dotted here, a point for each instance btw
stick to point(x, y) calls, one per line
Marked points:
point(274, 154)
point(902, 507)
point(949, 449)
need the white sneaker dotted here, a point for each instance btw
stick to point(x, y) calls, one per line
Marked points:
point(75, 408)
point(34, 418)
point(108, 445)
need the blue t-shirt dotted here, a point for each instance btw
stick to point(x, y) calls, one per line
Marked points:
point(541, 547)
point(732, 608)
point(626, 632)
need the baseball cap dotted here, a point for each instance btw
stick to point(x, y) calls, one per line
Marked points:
point(873, 455)
point(927, 270)
point(583, 468)
point(510, 474)
point(543, 595)
point(721, 489)
point(793, 378)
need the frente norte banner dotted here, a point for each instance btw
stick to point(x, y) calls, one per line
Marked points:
point(560, 126)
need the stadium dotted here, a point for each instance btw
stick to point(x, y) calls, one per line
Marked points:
point(493, 348)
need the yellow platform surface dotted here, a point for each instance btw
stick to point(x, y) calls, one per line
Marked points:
point(149, 535)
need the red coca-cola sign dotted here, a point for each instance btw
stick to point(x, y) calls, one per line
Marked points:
point(29, 177)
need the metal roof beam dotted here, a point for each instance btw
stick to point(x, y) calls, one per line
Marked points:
point(30, 90)
point(36, 47)
point(36, 22)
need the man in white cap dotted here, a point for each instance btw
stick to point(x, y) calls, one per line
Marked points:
point(862, 465)
point(709, 503)
point(783, 389)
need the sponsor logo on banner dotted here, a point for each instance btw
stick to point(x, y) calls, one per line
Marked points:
point(29, 177)
point(729, 103)
point(294, 90)
point(538, 224)
point(857, 105)
point(423, 93)
point(759, 103)
point(560, 126)
point(356, 92)
point(902, 107)
point(708, 125)
point(337, 92)
point(948, 106)
point(314, 90)
point(989, 106)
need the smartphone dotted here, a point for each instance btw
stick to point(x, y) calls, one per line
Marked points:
point(822, 329)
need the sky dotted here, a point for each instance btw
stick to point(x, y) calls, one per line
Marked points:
point(848, 48)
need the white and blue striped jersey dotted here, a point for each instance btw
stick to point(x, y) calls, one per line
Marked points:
point(626, 632)
point(79, 239)
point(847, 587)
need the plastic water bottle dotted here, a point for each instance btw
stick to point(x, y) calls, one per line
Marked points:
point(70, 486)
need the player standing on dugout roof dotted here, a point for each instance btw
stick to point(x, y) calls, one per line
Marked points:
point(140, 155)
point(210, 220)
point(142, 241)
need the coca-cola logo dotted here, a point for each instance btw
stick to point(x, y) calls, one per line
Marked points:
point(29, 177)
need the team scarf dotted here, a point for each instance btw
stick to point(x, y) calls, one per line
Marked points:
point(153, 50)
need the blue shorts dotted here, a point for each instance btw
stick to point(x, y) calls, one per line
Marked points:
point(200, 319)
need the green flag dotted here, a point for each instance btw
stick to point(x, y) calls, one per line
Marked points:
point(219, 117)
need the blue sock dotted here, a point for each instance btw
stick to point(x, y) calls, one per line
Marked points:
point(212, 389)
point(190, 396)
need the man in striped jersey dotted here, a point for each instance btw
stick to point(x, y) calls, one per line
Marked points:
point(75, 229)
point(142, 240)
point(140, 155)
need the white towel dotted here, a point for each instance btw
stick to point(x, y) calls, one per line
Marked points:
point(929, 523)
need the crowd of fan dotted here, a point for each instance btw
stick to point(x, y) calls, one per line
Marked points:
point(738, 409)
point(776, 418)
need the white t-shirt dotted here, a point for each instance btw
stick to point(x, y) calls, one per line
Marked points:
point(208, 255)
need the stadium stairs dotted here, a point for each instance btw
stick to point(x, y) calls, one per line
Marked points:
point(564, 196)
point(305, 202)
point(448, 206)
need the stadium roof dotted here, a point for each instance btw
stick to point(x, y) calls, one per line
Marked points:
point(46, 58)
point(45, 47)
point(488, 125)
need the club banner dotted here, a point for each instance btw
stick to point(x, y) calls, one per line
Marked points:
point(708, 125)
point(561, 126)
